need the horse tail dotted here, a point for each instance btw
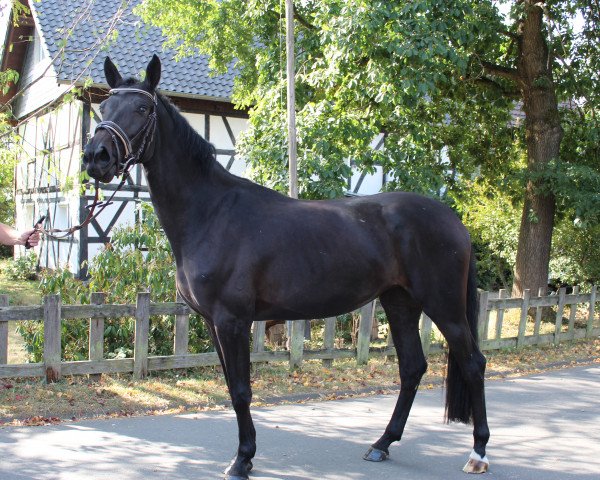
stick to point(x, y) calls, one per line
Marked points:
point(458, 400)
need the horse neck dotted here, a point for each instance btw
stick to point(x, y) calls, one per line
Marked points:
point(185, 183)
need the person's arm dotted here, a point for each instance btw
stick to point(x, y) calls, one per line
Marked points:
point(10, 236)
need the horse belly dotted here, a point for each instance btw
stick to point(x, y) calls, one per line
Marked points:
point(318, 288)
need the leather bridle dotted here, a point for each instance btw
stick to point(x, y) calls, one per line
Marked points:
point(123, 144)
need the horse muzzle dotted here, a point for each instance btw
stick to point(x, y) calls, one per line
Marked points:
point(99, 162)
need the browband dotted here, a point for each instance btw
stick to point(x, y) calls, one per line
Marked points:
point(134, 90)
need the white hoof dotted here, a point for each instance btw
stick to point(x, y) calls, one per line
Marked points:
point(476, 464)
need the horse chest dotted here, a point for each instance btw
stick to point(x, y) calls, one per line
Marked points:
point(206, 286)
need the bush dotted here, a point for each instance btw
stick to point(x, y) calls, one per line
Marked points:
point(23, 267)
point(493, 222)
point(576, 253)
point(138, 258)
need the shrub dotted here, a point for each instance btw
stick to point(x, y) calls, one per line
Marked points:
point(138, 258)
point(23, 267)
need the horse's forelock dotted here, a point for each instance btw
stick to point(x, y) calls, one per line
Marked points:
point(130, 82)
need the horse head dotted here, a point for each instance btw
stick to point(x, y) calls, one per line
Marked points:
point(128, 121)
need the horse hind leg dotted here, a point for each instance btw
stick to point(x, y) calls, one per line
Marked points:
point(403, 317)
point(465, 395)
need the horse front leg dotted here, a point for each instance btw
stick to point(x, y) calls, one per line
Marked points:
point(233, 337)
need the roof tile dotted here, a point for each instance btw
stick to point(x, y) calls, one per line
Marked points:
point(85, 26)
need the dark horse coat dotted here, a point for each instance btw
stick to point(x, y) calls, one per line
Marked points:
point(247, 253)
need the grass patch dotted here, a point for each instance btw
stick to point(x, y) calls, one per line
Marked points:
point(32, 402)
point(20, 292)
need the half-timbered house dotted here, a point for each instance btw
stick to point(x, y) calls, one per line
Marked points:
point(58, 50)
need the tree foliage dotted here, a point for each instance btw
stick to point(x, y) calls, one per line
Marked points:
point(362, 68)
point(436, 78)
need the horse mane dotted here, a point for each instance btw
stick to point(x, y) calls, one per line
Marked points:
point(204, 151)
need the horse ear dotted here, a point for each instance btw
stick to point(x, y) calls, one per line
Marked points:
point(153, 72)
point(113, 77)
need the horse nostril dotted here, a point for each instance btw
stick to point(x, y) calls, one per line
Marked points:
point(101, 154)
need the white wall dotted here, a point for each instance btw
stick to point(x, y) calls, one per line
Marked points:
point(50, 158)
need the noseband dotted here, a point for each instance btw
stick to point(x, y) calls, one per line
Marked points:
point(123, 144)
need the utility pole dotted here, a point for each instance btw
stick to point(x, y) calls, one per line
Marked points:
point(291, 115)
point(291, 97)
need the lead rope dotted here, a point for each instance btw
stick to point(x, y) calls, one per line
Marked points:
point(59, 234)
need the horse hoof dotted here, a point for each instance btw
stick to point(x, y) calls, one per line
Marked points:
point(375, 455)
point(476, 464)
point(229, 475)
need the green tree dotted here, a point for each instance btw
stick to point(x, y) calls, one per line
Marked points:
point(6, 176)
point(7, 169)
point(439, 79)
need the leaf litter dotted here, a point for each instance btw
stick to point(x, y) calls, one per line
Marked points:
point(32, 402)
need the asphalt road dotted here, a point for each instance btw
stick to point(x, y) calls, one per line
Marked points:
point(544, 427)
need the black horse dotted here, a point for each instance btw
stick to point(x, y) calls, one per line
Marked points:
point(247, 253)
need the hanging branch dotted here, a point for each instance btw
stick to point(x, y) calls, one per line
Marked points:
point(488, 82)
point(500, 71)
point(302, 20)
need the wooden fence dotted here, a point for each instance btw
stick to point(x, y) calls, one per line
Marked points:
point(52, 313)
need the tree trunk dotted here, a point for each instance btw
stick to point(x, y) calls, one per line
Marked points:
point(544, 134)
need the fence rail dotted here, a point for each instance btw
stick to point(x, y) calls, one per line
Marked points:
point(532, 310)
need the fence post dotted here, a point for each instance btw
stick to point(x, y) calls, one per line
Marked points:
point(591, 313)
point(482, 316)
point(374, 323)
point(538, 315)
point(500, 315)
point(425, 334)
point(258, 336)
point(523, 319)
point(364, 333)
point(142, 327)
point(96, 343)
point(3, 333)
point(559, 314)
point(52, 344)
point(390, 344)
point(182, 331)
point(572, 313)
point(329, 340)
point(297, 343)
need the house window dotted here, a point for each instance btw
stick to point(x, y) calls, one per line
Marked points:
point(61, 219)
point(29, 211)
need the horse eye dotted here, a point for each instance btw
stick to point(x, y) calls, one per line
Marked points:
point(142, 109)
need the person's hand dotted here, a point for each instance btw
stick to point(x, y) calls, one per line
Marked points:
point(32, 235)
